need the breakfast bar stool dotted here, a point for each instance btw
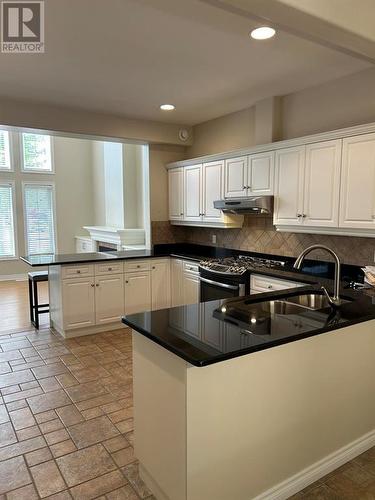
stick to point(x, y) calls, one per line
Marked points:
point(36, 308)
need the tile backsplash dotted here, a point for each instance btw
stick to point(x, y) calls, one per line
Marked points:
point(259, 235)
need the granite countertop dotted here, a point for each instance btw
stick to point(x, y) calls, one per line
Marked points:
point(243, 325)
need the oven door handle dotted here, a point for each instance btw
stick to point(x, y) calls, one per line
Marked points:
point(222, 285)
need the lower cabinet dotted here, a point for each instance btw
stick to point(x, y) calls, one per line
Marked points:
point(137, 292)
point(190, 285)
point(160, 284)
point(109, 298)
point(78, 303)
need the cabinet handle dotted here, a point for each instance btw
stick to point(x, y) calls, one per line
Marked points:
point(126, 281)
point(248, 187)
point(304, 216)
point(299, 215)
point(97, 284)
point(270, 287)
point(245, 187)
point(92, 284)
point(153, 267)
point(78, 271)
point(181, 213)
point(110, 269)
point(138, 266)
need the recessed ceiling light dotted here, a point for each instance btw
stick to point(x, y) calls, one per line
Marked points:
point(167, 107)
point(262, 33)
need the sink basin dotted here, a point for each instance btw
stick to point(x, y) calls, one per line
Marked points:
point(296, 303)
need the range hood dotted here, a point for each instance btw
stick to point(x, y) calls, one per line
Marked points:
point(257, 205)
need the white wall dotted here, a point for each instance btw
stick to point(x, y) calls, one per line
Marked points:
point(73, 192)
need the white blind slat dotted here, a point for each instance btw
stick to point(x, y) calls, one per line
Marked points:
point(36, 151)
point(40, 232)
point(7, 244)
point(4, 150)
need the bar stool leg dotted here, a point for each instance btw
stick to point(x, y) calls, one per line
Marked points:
point(32, 319)
point(36, 305)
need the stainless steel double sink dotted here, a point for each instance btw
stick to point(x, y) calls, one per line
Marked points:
point(297, 304)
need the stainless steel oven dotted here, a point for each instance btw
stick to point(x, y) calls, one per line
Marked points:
point(211, 289)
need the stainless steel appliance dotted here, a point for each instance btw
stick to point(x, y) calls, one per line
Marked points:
point(257, 205)
point(230, 276)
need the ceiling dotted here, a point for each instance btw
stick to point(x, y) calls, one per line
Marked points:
point(127, 57)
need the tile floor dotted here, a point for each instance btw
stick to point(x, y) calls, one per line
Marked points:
point(66, 426)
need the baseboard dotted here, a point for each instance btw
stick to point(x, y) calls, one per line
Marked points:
point(91, 330)
point(151, 484)
point(13, 277)
point(302, 479)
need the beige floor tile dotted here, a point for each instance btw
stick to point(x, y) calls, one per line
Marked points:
point(22, 418)
point(66, 380)
point(9, 379)
point(83, 392)
point(7, 434)
point(132, 475)
point(47, 478)
point(86, 464)
point(13, 474)
point(63, 448)
point(24, 493)
point(56, 436)
point(49, 370)
point(4, 417)
point(116, 443)
point(45, 416)
point(38, 456)
point(124, 457)
point(124, 493)
point(13, 450)
point(50, 401)
point(69, 415)
point(51, 425)
point(98, 486)
point(92, 431)
point(125, 426)
point(49, 384)
point(28, 433)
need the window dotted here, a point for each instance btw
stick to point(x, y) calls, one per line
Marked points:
point(36, 153)
point(4, 150)
point(7, 240)
point(39, 218)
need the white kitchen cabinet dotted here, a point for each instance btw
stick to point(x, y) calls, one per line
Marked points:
point(176, 193)
point(191, 288)
point(236, 177)
point(177, 298)
point(357, 205)
point(192, 193)
point(78, 302)
point(109, 298)
point(213, 189)
point(260, 283)
point(137, 292)
point(260, 174)
point(160, 284)
point(290, 165)
point(322, 184)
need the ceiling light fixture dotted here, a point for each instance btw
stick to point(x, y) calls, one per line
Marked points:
point(167, 107)
point(262, 33)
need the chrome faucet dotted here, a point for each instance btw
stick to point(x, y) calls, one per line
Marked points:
point(335, 300)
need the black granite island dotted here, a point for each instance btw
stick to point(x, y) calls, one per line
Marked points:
point(253, 397)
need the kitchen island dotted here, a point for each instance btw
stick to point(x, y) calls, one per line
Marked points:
point(253, 397)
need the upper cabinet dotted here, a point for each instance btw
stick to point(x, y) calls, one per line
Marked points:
point(249, 175)
point(307, 188)
point(176, 192)
point(357, 208)
point(192, 192)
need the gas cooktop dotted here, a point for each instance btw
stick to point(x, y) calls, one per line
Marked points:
point(239, 265)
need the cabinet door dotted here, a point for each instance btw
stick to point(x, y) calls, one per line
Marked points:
point(137, 292)
point(235, 182)
point(177, 296)
point(160, 284)
point(78, 296)
point(357, 200)
point(190, 288)
point(290, 164)
point(322, 184)
point(261, 174)
point(176, 193)
point(192, 193)
point(213, 189)
point(109, 298)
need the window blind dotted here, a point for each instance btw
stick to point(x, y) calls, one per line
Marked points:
point(4, 150)
point(39, 219)
point(7, 244)
point(36, 152)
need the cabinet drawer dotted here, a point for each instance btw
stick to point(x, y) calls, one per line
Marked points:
point(137, 265)
point(109, 268)
point(191, 267)
point(260, 283)
point(83, 270)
